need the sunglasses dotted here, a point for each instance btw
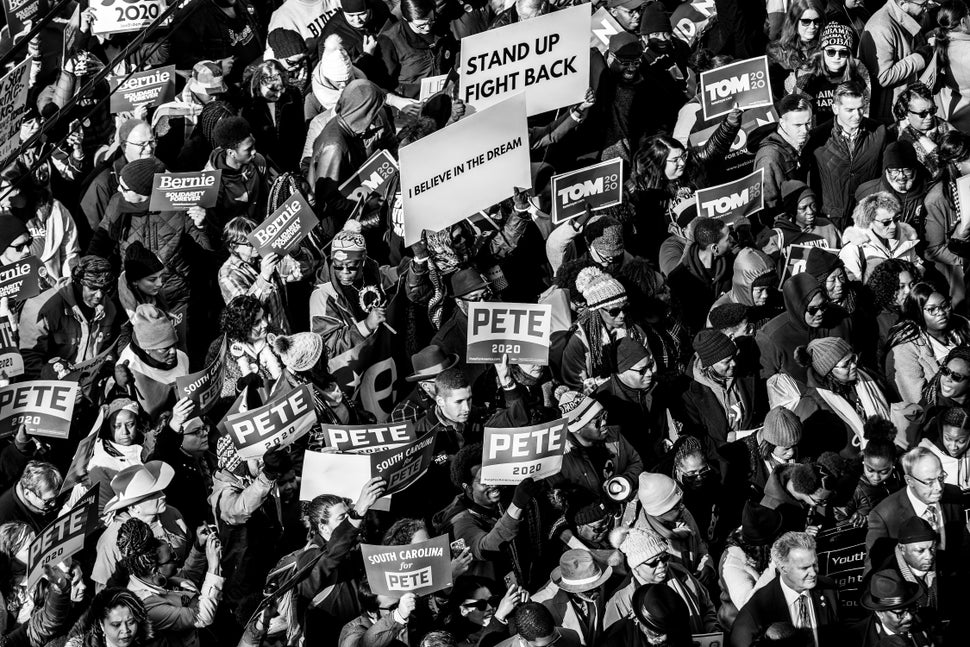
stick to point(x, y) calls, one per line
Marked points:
point(836, 52)
point(658, 560)
point(814, 310)
point(24, 245)
point(946, 371)
point(348, 267)
point(805, 22)
point(923, 114)
point(481, 605)
point(481, 296)
point(615, 312)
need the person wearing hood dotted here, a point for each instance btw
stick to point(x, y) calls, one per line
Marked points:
point(705, 271)
point(664, 55)
point(720, 401)
point(782, 153)
point(752, 286)
point(244, 187)
point(808, 315)
point(417, 46)
point(878, 234)
point(357, 25)
point(119, 446)
point(948, 436)
point(799, 222)
point(906, 179)
point(797, 491)
point(650, 564)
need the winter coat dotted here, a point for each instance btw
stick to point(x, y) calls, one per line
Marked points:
point(237, 277)
point(696, 287)
point(705, 403)
point(862, 251)
point(580, 468)
point(958, 52)
point(242, 192)
point(887, 45)
point(364, 632)
point(780, 162)
point(170, 528)
point(108, 459)
point(794, 513)
point(409, 57)
point(749, 265)
point(488, 533)
point(912, 363)
point(822, 234)
point(942, 219)
point(641, 416)
point(914, 212)
point(703, 619)
point(177, 613)
point(279, 139)
point(102, 187)
point(327, 596)
point(210, 34)
point(839, 171)
point(352, 39)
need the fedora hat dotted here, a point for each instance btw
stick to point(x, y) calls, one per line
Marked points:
point(578, 572)
point(888, 590)
point(137, 483)
point(429, 362)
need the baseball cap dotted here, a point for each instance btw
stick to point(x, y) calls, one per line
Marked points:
point(207, 78)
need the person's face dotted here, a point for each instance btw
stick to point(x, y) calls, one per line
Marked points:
point(151, 507)
point(836, 58)
point(926, 481)
point(614, 316)
point(455, 405)
point(260, 327)
point(921, 555)
point(527, 9)
point(288, 485)
point(140, 143)
point(629, 19)
point(808, 25)
point(479, 608)
point(693, 470)
point(955, 440)
point(898, 621)
point(196, 441)
point(726, 367)
point(806, 212)
point(725, 244)
point(17, 250)
point(358, 19)
point(338, 514)
point(41, 499)
point(835, 284)
point(954, 378)
point(901, 179)
point(627, 67)
point(348, 272)
point(886, 224)
point(640, 375)
point(594, 532)
point(759, 295)
point(246, 252)
point(815, 311)
point(120, 627)
point(796, 126)
point(133, 197)
point(125, 428)
point(905, 287)
point(876, 469)
point(484, 495)
point(92, 297)
point(783, 454)
point(652, 571)
point(594, 431)
point(849, 112)
point(800, 571)
point(243, 153)
point(151, 285)
point(847, 370)
point(743, 329)
point(936, 312)
point(386, 605)
point(676, 163)
point(271, 87)
point(167, 357)
point(29, 128)
point(165, 565)
point(921, 114)
point(423, 25)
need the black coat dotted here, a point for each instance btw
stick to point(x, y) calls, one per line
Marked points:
point(838, 172)
point(767, 606)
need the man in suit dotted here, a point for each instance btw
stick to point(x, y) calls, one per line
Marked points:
point(925, 496)
point(798, 595)
point(576, 594)
point(894, 621)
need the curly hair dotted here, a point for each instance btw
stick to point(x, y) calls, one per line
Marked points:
point(865, 212)
point(402, 532)
point(566, 277)
point(915, 90)
point(239, 317)
point(138, 547)
point(90, 626)
point(883, 283)
point(467, 458)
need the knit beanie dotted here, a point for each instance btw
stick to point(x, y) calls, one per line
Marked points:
point(348, 244)
point(353, 6)
point(625, 45)
point(11, 228)
point(658, 493)
point(826, 352)
point(590, 513)
point(821, 263)
point(605, 236)
point(140, 174)
point(782, 428)
point(639, 545)
point(713, 346)
point(792, 192)
point(578, 409)
point(900, 154)
point(728, 315)
point(767, 280)
point(140, 262)
point(227, 457)
point(335, 64)
point(286, 43)
point(298, 352)
point(837, 35)
point(654, 19)
point(152, 328)
point(600, 290)
point(628, 353)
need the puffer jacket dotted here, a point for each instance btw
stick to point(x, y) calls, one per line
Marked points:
point(409, 57)
point(862, 250)
point(838, 171)
point(749, 265)
point(914, 212)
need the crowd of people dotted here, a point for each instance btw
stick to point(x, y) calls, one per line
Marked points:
point(740, 394)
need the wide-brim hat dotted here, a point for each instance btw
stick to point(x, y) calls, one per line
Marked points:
point(430, 362)
point(887, 590)
point(578, 572)
point(137, 483)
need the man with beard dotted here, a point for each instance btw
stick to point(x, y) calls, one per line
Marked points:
point(904, 177)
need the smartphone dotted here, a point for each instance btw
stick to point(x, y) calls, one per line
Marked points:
point(457, 547)
point(510, 579)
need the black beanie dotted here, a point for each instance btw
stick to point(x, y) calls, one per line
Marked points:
point(900, 154)
point(286, 43)
point(140, 262)
point(653, 19)
point(11, 228)
point(821, 263)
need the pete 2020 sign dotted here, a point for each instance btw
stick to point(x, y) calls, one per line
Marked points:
point(512, 454)
point(13, 99)
point(280, 422)
point(150, 88)
point(367, 439)
point(373, 174)
point(739, 85)
point(44, 407)
point(547, 57)
point(63, 537)
point(115, 17)
point(179, 191)
point(733, 200)
point(464, 168)
point(420, 568)
point(519, 330)
point(285, 228)
point(597, 187)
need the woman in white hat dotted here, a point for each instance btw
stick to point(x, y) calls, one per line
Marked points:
point(118, 446)
point(139, 493)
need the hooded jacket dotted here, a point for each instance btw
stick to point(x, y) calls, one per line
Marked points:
point(696, 287)
point(823, 233)
point(749, 265)
point(242, 192)
point(779, 338)
point(957, 469)
point(781, 162)
point(713, 409)
point(913, 212)
point(862, 250)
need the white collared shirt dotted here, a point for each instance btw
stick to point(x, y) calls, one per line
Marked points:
point(791, 601)
point(920, 509)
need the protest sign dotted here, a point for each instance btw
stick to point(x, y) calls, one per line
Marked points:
point(692, 19)
point(11, 362)
point(546, 56)
point(13, 98)
point(596, 187)
point(421, 568)
point(150, 88)
point(112, 17)
point(603, 25)
point(285, 228)
point(373, 174)
point(733, 200)
point(44, 407)
point(82, 457)
point(277, 423)
point(21, 15)
point(841, 557)
point(63, 537)
point(512, 454)
point(519, 330)
point(432, 85)
point(179, 191)
point(708, 640)
point(153, 396)
point(739, 160)
point(402, 466)
point(467, 166)
point(204, 387)
point(963, 195)
point(739, 85)
point(796, 256)
point(367, 439)
point(21, 280)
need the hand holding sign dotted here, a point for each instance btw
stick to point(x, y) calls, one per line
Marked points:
point(369, 494)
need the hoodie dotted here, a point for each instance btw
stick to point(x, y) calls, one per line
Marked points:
point(957, 469)
point(749, 265)
point(243, 192)
point(696, 287)
point(822, 233)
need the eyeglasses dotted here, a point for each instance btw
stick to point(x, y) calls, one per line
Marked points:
point(901, 173)
point(814, 310)
point(852, 360)
point(676, 160)
point(836, 52)
point(902, 613)
point(24, 245)
point(663, 558)
point(941, 479)
point(615, 312)
point(646, 369)
point(805, 22)
point(268, 81)
point(704, 471)
point(891, 221)
point(478, 295)
point(946, 371)
point(161, 351)
point(481, 605)
point(390, 608)
point(45, 501)
point(942, 307)
point(923, 114)
point(142, 146)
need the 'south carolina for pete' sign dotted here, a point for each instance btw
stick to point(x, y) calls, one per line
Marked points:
point(420, 568)
point(519, 330)
point(739, 85)
point(63, 537)
point(512, 454)
point(597, 187)
point(285, 228)
point(150, 88)
point(44, 407)
point(203, 387)
point(733, 200)
point(278, 423)
point(178, 191)
point(367, 439)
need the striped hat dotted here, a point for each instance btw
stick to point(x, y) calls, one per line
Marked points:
point(577, 408)
point(599, 289)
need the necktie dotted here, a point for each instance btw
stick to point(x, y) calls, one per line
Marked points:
point(803, 619)
point(933, 517)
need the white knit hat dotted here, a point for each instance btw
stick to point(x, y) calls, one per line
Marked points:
point(334, 63)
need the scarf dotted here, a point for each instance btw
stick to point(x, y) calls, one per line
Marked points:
point(929, 581)
point(251, 360)
point(871, 401)
point(685, 540)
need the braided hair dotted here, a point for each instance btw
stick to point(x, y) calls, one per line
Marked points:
point(211, 115)
point(138, 548)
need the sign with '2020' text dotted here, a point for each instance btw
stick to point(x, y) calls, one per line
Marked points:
point(379, 169)
point(421, 568)
point(733, 200)
point(512, 454)
point(280, 422)
point(177, 191)
point(63, 537)
point(285, 228)
point(519, 330)
point(149, 88)
point(594, 187)
point(739, 85)
point(119, 16)
point(367, 439)
point(43, 407)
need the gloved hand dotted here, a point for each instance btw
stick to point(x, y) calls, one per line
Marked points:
point(525, 492)
point(253, 379)
point(276, 463)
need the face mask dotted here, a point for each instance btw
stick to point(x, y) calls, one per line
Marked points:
point(658, 45)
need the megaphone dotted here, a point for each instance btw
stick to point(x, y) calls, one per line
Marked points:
point(618, 488)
